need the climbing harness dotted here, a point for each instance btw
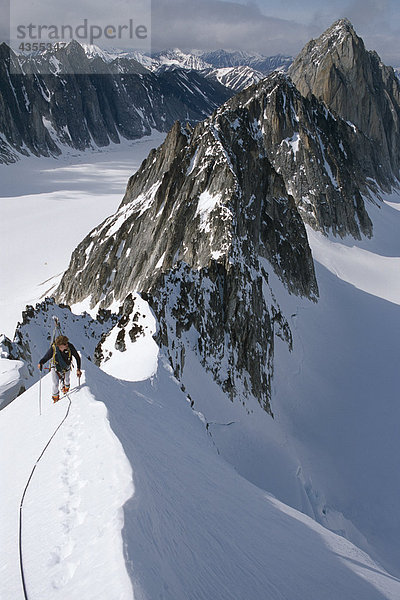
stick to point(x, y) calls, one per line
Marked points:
point(57, 362)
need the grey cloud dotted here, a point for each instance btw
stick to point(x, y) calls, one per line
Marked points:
point(213, 24)
point(378, 23)
point(369, 14)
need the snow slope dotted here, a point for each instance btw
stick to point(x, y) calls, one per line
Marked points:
point(371, 265)
point(72, 515)
point(47, 206)
point(340, 405)
point(192, 528)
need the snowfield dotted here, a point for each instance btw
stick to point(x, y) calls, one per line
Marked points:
point(192, 526)
point(47, 206)
point(140, 495)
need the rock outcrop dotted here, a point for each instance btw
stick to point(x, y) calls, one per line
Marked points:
point(217, 213)
point(353, 82)
point(202, 224)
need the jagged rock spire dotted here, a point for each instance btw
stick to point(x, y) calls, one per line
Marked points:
point(217, 213)
point(213, 212)
point(352, 81)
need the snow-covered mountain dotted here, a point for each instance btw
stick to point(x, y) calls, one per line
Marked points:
point(187, 212)
point(236, 58)
point(169, 57)
point(252, 264)
point(63, 98)
point(235, 78)
point(110, 54)
point(233, 69)
point(214, 246)
point(197, 59)
point(175, 56)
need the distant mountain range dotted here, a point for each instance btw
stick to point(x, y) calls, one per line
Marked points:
point(234, 69)
point(197, 59)
point(84, 96)
point(64, 98)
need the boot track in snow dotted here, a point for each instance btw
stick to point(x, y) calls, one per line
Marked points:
point(25, 490)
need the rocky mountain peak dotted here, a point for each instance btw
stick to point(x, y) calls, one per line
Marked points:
point(214, 218)
point(214, 214)
point(353, 82)
point(339, 29)
point(74, 48)
point(339, 39)
point(204, 224)
point(327, 165)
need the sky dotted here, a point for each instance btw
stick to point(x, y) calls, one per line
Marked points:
point(274, 26)
point(265, 26)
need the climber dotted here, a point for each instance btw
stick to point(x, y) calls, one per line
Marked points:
point(61, 353)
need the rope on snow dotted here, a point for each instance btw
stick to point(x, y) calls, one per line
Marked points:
point(21, 565)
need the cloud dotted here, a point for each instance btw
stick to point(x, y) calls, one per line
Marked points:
point(368, 13)
point(230, 24)
point(4, 21)
point(378, 23)
point(213, 24)
point(120, 24)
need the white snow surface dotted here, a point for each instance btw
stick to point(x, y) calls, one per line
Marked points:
point(47, 206)
point(134, 497)
point(10, 375)
point(192, 526)
point(139, 361)
point(72, 512)
point(206, 205)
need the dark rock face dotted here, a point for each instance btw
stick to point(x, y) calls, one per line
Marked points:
point(216, 213)
point(21, 125)
point(352, 81)
point(326, 164)
point(43, 105)
point(7, 350)
point(192, 200)
point(236, 78)
point(201, 224)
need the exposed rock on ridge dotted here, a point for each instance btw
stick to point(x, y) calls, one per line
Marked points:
point(352, 81)
point(200, 225)
point(326, 165)
point(214, 210)
point(186, 190)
